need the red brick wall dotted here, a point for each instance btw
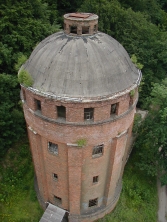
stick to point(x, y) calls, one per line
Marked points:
point(75, 166)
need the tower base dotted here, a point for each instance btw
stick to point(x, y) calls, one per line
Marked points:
point(91, 216)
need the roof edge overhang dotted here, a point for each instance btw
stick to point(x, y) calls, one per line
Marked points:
point(80, 99)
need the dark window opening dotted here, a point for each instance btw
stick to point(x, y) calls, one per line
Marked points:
point(55, 176)
point(98, 150)
point(113, 108)
point(24, 95)
point(73, 29)
point(85, 29)
point(88, 113)
point(95, 179)
point(38, 104)
point(58, 200)
point(93, 202)
point(53, 148)
point(61, 111)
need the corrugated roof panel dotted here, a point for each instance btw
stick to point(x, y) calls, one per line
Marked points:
point(53, 214)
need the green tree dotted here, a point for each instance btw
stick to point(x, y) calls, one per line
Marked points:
point(151, 143)
point(12, 124)
point(138, 34)
point(23, 25)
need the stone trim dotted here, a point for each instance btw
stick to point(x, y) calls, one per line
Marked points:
point(65, 98)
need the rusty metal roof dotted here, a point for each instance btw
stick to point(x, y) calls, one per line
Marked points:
point(79, 15)
point(81, 67)
point(53, 214)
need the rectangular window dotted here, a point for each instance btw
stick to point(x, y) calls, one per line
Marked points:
point(98, 150)
point(61, 111)
point(114, 108)
point(93, 202)
point(88, 113)
point(55, 176)
point(38, 104)
point(57, 200)
point(95, 179)
point(53, 148)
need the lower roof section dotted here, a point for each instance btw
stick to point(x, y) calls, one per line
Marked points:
point(53, 214)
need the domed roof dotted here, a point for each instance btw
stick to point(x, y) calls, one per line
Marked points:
point(81, 66)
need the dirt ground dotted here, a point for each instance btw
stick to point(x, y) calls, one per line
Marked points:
point(162, 196)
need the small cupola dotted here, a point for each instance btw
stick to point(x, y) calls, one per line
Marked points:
point(80, 23)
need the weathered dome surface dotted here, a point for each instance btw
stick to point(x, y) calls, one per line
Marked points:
point(81, 66)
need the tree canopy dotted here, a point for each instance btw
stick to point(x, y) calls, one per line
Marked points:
point(140, 26)
point(151, 143)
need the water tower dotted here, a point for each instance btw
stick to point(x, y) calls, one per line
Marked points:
point(79, 114)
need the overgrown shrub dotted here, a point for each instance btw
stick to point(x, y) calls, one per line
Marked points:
point(25, 78)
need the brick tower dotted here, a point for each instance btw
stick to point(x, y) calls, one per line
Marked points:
point(79, 114)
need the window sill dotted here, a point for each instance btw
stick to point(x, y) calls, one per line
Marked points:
point(97, 155)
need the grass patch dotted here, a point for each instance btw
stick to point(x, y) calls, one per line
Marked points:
point(18, 202)
point(139, 199)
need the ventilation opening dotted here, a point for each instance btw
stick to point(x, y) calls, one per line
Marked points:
point(55, 176)
point(85, 29)
point(73, 29)
point(93, 202)
point(61, 111)
point(95, 179)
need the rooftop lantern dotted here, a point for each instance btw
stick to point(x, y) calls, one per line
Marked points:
point(80, 23)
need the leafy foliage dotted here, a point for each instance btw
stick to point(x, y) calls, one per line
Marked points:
point(152, 138)
point(17, 186)
point(138, 200)
point(11, 115)
point(138, 33)
point(25, 78)
point(134, 60)
point(21, 59)
point(81, 142)
point(23, 24)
